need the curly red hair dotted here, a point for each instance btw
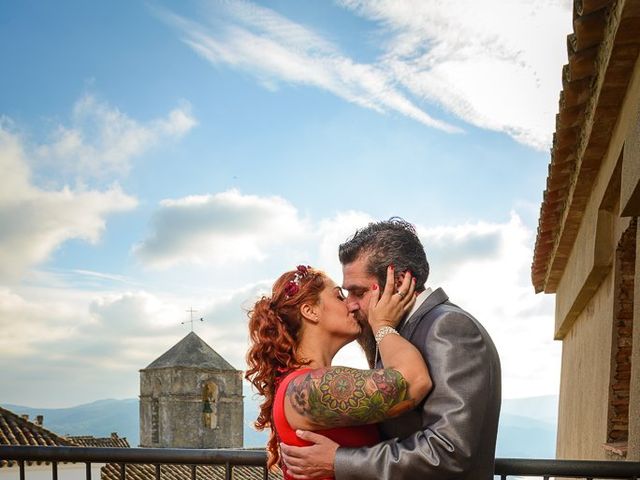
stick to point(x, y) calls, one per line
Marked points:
point(275, 325)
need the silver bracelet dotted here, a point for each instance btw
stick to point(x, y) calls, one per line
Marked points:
point(383, 332)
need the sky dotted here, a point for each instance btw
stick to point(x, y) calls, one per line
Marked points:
point(163, 156)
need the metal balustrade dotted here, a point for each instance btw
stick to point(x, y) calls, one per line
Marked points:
point(504, 467)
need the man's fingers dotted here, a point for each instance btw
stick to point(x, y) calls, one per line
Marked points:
point(311, 462)
point(297, 477)
point(290, 451)
point(296, 472)
point(310, 436)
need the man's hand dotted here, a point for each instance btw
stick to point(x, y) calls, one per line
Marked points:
point(314, 461)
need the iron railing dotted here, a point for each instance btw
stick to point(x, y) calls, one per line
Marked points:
point(504, 467)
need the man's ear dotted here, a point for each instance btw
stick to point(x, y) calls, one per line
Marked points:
point(309, 312)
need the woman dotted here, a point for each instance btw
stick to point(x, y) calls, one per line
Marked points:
point(294, 335)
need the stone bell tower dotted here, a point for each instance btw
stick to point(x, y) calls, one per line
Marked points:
point(191, 397)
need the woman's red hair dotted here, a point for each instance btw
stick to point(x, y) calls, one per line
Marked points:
point(275, 325)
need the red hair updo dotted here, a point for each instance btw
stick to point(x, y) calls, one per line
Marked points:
point(275, 326)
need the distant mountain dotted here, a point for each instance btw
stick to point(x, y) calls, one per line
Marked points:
point(527, 425)
point(543, 409)
point(525, 438)
point(252, 437)
point(98, 418)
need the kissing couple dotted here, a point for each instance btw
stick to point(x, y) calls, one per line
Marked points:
point(427, 408)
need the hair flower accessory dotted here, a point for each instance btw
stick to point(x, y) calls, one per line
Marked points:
point(291, 289)
point(293, 286)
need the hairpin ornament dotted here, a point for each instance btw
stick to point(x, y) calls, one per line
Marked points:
point(293, 286)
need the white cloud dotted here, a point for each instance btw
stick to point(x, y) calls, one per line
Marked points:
point(102, 140)
point(218, 229)
point(60, 339)
point(26, 324)
point(494, 64)
point(35, 221)
point(485, 268)
point(260, 41)
point(82, 346)
point(331, 232)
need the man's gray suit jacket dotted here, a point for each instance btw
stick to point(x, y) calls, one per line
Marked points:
point(452, 434)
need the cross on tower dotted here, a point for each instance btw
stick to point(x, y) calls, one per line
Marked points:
point(191, 311)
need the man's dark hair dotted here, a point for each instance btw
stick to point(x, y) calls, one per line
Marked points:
point(392, 241)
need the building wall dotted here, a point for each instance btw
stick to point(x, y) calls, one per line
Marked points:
point(633, 453)
point(172, 401)
point(66, 471)
point(588, 300)
point(584, 380)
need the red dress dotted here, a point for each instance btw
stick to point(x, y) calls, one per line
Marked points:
point(357, 436)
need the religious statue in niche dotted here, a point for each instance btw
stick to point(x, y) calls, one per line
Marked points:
point(210, 405)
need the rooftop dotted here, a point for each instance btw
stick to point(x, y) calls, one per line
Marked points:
point(191, 351)
point(111, 471)
point(602, 51)
point(18, 430)
point(114, 441)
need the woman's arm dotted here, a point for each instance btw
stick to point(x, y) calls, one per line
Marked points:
point(342, 396)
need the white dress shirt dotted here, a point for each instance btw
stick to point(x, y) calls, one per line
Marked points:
point(422, 296)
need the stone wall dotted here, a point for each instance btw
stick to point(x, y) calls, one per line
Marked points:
point(172, 405)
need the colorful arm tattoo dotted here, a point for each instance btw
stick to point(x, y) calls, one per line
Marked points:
point(341, 396)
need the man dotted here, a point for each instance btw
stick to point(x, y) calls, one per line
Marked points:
point(452, 435)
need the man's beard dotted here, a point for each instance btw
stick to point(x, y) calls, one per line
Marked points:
point(367, 341)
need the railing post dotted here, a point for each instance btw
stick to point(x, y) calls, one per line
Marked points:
point(21, 463)
point(88, 470)
point(54, 470)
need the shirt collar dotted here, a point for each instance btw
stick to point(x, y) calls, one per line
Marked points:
point(422, 296)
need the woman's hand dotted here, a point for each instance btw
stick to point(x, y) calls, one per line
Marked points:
point(389, 309)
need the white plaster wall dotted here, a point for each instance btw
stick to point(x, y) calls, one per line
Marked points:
point(66, 471)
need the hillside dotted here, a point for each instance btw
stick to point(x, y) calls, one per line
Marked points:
point(98, 418)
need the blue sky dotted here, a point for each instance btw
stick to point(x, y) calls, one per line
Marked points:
point(162, 155)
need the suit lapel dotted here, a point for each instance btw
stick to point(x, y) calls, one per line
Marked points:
point(409, 325)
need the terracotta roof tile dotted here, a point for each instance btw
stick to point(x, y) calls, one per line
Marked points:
point(107, 442)
point(111, 471)
point(602, 52)
point(15, 430)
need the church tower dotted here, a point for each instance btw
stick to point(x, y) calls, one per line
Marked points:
point(191, 397)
